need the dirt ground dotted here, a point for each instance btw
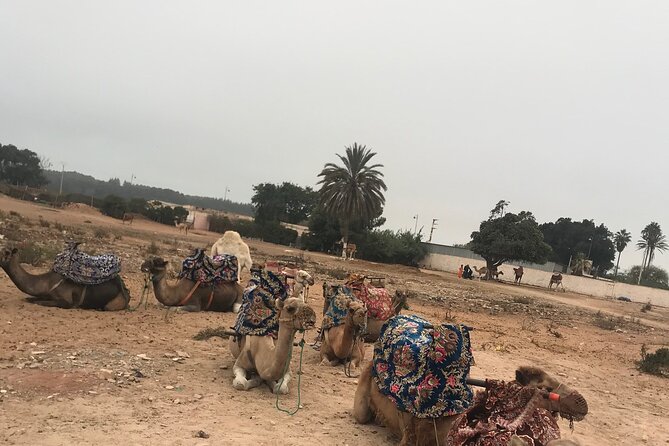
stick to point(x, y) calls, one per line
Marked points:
point(135, 378)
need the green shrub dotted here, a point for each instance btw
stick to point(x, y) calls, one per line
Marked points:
point(654, 363)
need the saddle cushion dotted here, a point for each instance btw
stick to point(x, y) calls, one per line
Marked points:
point(85, 269)
point(423, 368)
point(378, 301)
point(199, 267)
point(501, 411)
point(337, 310)
point(258, 315)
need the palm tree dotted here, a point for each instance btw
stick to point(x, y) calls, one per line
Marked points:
point(354, 191)
point(621, 239)
point(652, 239)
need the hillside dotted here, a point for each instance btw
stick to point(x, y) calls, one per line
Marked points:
point(77, 183)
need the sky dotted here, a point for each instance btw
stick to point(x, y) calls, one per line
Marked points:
point(560, 108)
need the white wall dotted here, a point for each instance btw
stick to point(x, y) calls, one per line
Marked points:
point(574, 284)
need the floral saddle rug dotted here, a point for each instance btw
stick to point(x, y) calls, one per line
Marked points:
point(258, 315)
point(199, 267)
point(423, 368)
point(85, 269)
point(378, 301)
point(337, 309)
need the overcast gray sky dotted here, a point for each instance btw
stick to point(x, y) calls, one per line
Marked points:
point(561, 108)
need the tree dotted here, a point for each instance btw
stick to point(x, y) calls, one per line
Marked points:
point(286, 202)
point(20, 167)
point(354, 191)
point(511, 237)
point(498, 210)
point(567, 238)
point(652, 276)
point(652, 239)
point(620, 239)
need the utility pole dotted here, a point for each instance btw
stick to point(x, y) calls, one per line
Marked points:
point(62, 174)
point(415, 226)
point(434, 225)
point(132, 178)
point(225, 195)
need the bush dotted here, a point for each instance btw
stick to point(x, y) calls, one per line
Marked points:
point(101, 233)
point(44, 223)
point(153, 248)
point(654, 363)
point(386, 246)
point(36, 255)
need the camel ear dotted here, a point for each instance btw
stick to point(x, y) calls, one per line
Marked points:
point(278, 303)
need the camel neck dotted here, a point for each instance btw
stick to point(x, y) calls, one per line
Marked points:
point(32, 284)
point(282, 351)
point(165, 293)
point(349, 335)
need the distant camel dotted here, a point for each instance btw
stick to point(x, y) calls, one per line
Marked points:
point(519, 274)
point(350, 250)
point(497, 274)
point(183, 226)
point(481, 272)
point(127, 217)
point(557, 280)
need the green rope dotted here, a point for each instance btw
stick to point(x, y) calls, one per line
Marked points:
point(299, 380)
point(145, 294)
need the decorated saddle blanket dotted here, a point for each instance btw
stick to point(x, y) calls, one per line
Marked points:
point(378, 301)
point(258, 315)
point(337, 310)
point(85, 269)
point(423, 368)
point(501, 411)
point(199, 267)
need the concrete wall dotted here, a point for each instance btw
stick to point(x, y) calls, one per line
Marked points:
point(574, 284)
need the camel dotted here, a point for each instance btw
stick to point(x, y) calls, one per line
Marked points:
point(444, 398)
point(517, 441)
point(481, 272)
point(557, 280)
point(350, 250)
point(260, 359)
point(518, 272)
point(344, 324)
point(303, 280)
point(496, 274)
point(111, 295)
point(231, 243)
point(127, 217)
point(183, 226)
point(225, 296)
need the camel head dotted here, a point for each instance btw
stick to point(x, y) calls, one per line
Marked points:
point(359, 313)
point(572, 405)
point(296, 313)
point(304, 277)
point(400, 301)
point(7, 255)
point(154, 265)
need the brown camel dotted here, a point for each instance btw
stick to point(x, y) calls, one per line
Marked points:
point(111, 295)
point(481, 272)
point(557, 280)
point(127, 217)
point(183, 226)
point(370, 403)
point(225, 296)
point(260, 359)
point(342, 339)
point(518, 272)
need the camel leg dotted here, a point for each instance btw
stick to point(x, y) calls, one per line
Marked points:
point(362, 412)
point(236, 307)
point(279, 387)
point(118, 303)
point(192, 308)
point(240, 382)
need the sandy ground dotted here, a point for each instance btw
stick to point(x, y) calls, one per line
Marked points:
point(75, 377)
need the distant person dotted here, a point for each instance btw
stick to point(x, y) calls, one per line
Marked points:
point(460, 271)
point(468, 273)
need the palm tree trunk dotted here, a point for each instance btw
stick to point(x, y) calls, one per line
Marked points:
point(643, 263)
point(615, 274)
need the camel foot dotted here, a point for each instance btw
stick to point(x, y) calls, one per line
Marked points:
point(281, 387)
point(236, 307)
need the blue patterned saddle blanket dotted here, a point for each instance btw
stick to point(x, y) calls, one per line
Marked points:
point(423, 368)
point(337, 310)
point(199, 267)
point(85, 269)
point(258, 315)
